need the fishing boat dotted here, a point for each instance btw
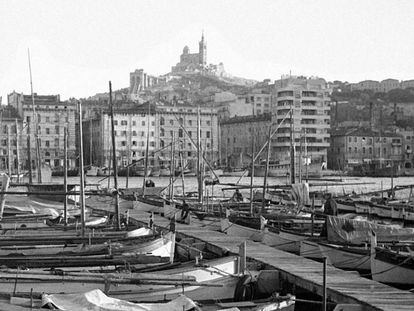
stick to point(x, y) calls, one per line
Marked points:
point(392, 266)
point(207, 279)
point(346, 257)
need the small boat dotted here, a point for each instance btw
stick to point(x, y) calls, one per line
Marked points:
point(392, 266)
point(346, 257)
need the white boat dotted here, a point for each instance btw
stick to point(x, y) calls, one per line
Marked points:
point(310, 249)
point(284, 240)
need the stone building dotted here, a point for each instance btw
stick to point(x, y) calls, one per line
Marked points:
point(11, 125)
point(161, 123)
point(51, 116)
point(357, 146)
point(237, 136)
point(192, 62)
point(261, 102)
point(139, 81)
point(309, 99)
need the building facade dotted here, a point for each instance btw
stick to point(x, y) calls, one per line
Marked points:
point(11, 126)
point(358, 146)
point(309, 100)
point(51, 117)
point(161, 124)
point(237, 136)
point(260, 101)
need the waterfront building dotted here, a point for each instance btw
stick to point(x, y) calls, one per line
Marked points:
point(229, 105)
point(51, 116)
point(366, 85)
point(358, 146)
point(10, 128)
point(161, 122)
point(237, 136)
point(309, 100)
point(407, 84)
point(389, 84)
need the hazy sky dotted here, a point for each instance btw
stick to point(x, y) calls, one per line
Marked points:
point(76, 46)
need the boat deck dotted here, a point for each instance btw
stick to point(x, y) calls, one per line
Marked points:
point(342, 286)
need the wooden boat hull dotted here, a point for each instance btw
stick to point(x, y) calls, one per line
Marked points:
point(388, 267)
point(345, 258)
point(219, 271)
point(231, 228)
point(284, 241)
point(310, 249)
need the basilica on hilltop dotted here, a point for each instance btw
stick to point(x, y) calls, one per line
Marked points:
point(192, 62)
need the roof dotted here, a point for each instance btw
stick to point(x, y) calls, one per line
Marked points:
point(360, 131)
point(245, 119)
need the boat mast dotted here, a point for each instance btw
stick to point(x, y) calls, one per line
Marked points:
point(90, 141)
point(81, 172)
point(8, 152)
point(252, 175)
point(37, 138)
point(199, 172)
point(17, 152)
point(146, 152)
point(129, 152)
point(292, 148)
point(114, 164)
point(172, 168)
point(65, 175)
point(267, 168)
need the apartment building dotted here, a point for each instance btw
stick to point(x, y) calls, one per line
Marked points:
point(237, 136)
point(357, 146)
point(10, 128)
point(309, 100)
point(161, 124)
point(47, 118)
point(261, 102)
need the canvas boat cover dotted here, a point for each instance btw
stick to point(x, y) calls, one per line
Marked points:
point(343, 230)
point(96, 300)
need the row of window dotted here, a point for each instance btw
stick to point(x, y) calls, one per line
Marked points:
point(162, 122)
point(133, 133)
point(181, 133)
point(134, 123)
point(369, 140)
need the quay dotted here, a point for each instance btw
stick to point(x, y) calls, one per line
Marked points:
point(343, 287)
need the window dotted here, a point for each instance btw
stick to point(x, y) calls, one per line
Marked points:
point(134, 123)
point(124, 122)
point(208, 122)
point(143, 123)
point(350, 150)
point(355, 139)
point(134, 143)
point(123, 143)
point(363, 150)
point(162, 144)
point(385, 151)
point(171, 133)
point(171, 122)
point(134, 133)
point(189, 133)
point(47, 143)
point(124, 133)
point(180, 132)
point(56, 129)
point(47, 154)
point(47, 119)
point(115, 122)
point(142, 144)
point(370, 150)
point(142, 133)
point(162, 132)
point(152, 123)
point(47, 131)
point(190, 122)
point(162, 121)
point(208, 134)
point(115, 133)
point(56, 142)
point(189, 153)
point(356, 150)
point(152, 143)
point(180, 120)
point(152, 133)
point(234, 139)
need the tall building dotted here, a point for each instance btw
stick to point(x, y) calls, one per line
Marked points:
point(192, 62)
point(11, 126)
point(237, 136)
point(51, 116)
point(132, 127)
point(309, 99)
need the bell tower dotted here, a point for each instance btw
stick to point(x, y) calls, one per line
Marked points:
point(202, 51)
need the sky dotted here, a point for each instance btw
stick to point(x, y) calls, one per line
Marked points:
point(77, 46)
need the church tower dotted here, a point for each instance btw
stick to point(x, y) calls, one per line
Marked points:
point(202, 51)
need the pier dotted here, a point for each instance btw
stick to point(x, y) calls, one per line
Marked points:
point(343, 287)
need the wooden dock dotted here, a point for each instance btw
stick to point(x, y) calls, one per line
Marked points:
point(342, 286)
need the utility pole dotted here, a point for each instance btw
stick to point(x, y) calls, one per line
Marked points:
point(81, 171)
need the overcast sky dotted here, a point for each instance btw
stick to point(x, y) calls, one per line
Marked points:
point(76, 46)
